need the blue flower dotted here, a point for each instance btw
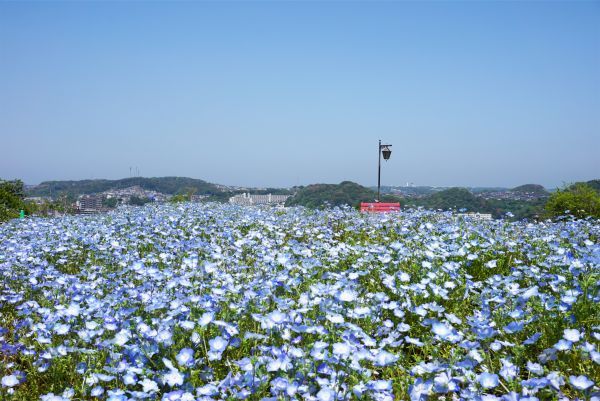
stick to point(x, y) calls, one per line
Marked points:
point(580, 382)
point(488, 380)
point(326, 394)
point(514, 327)
point(185, 357)
point(10, 381)
point(572, 335)
point(97, 391)
point(384, 358)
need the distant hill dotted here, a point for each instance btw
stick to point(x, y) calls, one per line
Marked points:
point(531, 189)
point(350, 193)
point(462, 198)
point(346, 193)
point(414, 190)
point(452, 198)
point(166, 185)
point(594, 184)
point(478, 190)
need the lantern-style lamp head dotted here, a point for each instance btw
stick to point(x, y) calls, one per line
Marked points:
point(386, 153)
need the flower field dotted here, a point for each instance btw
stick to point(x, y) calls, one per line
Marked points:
point(217, 302)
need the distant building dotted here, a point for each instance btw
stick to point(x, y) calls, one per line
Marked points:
point(90, 204)
point(477, 216)
point(249, 199)
point(124, 195)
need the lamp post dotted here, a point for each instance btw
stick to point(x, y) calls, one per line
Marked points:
point(385, 150)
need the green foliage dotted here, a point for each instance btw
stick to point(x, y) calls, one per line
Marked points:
point(579, 200)
point(521, 209)
point(11, 200)
point(595, 184)
point(532, 189)
point(137, 201)
point(461, 198)
point(179, 198)
point(320, 195)
point(166, 185)
point(221, 197)
point(110, 202)
point(272, 191)
point(455, 198)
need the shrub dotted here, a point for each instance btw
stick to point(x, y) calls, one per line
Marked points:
point(579, 200)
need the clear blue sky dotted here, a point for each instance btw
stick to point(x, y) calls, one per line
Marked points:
point(278, 94)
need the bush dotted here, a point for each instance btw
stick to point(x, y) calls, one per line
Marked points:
point(579, 200)
point(11, 199)
point(137, 201)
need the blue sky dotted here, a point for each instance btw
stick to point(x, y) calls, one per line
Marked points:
point(285, 93)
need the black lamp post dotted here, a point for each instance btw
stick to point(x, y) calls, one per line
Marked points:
point(386, 152)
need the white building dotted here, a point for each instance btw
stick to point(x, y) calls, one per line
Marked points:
point(250, 199)
point(476, 216)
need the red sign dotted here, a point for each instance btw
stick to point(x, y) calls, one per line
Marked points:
point(379, 207)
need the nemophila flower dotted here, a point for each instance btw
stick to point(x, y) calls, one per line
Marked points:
point(496, 346)
point(97, 391)
point(195, 338)
point(535, 368)
point(292, 389)
point(73, 310)
point(595, 356)
point(164, 336)
point(103, 377)
point(335, 318)
point(130, 378)
point(563, 345)
point(9, 381)
point(488, 380)
point(185, 357)
point(509, 371)
point(122, 337)
point(384, 358)
point(534, 384)
point(420, 390)
point(572, 335)
point(444, 383)
point(580, 382)
point(404, 277)
point(361, 311)
point(414, 341)
point(326, 394)
point(217, 346)
point(442, 330)
point(277, 317)
point(555, 380)
point(514, 327)
point(530, 292)
point(347, 295)
point(149, 386)
point(207, 390)
point(173, 378)
point(52, 397)
point(155, 268)
point(341, 350)
point(187, 325)
point(319, 350)
point(282, 363)
point(61, 329)
point(533, 339)
point(279, 385)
